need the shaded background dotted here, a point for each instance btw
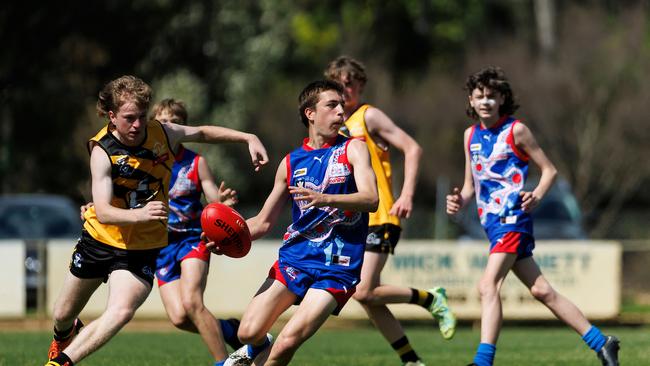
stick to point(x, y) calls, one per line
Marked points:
point(581, 71)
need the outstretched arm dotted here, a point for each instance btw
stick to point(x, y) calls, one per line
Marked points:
point(525, 141)
point(380, 124)
point(365, 199)
point(459, 197)
point(215, 134)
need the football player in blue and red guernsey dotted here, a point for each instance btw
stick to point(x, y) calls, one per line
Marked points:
point(331, 185)
point(497, 151)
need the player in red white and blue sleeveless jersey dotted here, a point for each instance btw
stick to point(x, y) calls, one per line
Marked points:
point(332, 187)
point(324, 238)
point(184, 224)
point(497, 152)
point(499, 171)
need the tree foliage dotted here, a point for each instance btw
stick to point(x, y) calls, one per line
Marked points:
point(241, 64)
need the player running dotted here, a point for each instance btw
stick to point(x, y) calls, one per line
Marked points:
point(380, 132)
point(130, 163)
point(332, 187)
point(497, 151)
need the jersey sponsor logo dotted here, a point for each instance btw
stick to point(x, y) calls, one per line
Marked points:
point(337, 180)
point(475, 147)
point(300, 172)
point(509, 219)
point(341, 260)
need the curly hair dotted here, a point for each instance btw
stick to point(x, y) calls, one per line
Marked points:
point(124, 89)
point(494, 78)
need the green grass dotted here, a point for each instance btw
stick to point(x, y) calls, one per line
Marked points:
point(355, 346)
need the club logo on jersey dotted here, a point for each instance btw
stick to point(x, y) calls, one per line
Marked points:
point(76, 260)
point(158, 149)
point(300, 172)
point(475, 147)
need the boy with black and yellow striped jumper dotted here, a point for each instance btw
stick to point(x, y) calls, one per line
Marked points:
point(130, 164)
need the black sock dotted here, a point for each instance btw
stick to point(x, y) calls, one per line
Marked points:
point(421, 297)
point(62, 335)
point(62, 358)
point(404, 350)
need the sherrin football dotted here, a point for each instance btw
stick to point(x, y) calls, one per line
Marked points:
point(226, 227)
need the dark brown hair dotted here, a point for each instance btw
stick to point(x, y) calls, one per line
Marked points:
point(309, 96)
point(491, 77)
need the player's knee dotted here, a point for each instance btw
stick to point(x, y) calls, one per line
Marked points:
point(121, 315)
point(248, 333)
point(62, 315)
point(487, 289)
point(192, 304)
point(180, 320)
point(543, 292)
point(365, 296)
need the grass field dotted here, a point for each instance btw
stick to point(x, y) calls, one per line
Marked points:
point(355, 346)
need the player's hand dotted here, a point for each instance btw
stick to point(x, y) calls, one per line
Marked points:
point(529, 200)
point(258, 153)
point(454, 202)
point(83, 209)
point(227, 196)
point(312, 198)
point(402, 208)
point(210, 245)
point(153, 211)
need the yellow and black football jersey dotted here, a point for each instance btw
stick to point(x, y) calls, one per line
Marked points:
point(355, 126)
point(140, 174)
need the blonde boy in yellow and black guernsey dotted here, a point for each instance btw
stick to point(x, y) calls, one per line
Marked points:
point(130, 165)
point(380, 132)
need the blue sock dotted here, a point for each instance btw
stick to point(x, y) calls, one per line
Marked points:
point(229, 330)
point(485, 354)
point(253, 351)
point(219, 363)
point(594, 338)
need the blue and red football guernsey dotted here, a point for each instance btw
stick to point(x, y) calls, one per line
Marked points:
point(185, 193)
point(500, 170)
point(326, 238)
